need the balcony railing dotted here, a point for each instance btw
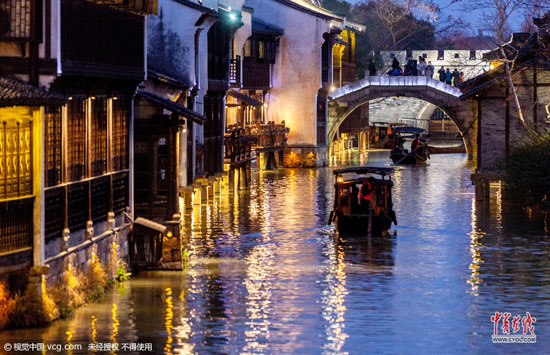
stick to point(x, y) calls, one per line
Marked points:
point(269, 135)
point(71, 205)
point(16, 224)
point(238, 145)
point(235, 70)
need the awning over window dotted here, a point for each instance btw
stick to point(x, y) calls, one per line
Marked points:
point(243, 98)
point(172, 106)
point(17, 93)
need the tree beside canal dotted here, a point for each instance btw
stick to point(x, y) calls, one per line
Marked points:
point(528, 171)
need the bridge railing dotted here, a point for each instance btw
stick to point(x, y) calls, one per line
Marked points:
point(411, 81)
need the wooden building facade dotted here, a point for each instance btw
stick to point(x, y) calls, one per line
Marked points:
point(90, 54)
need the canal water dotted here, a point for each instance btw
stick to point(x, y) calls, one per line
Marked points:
point(266, 274)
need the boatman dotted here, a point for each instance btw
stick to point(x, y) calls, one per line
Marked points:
point(365, 195)
point(415, 142)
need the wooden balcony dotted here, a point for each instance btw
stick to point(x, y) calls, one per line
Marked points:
point(101, 41)
point(72, 205)
point(269, 136)
point(238, 146)
point(239, 142)
point(256, 75)
point(235, 71)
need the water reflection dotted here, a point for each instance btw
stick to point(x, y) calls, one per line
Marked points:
point(266, 275)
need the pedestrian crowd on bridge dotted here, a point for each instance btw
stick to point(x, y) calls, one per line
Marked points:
point(421, 68)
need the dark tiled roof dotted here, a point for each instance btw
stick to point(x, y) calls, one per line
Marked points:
point(17, 93)
point(167, 79)
point(521, 48)
point(262, 27)
point(172, 106)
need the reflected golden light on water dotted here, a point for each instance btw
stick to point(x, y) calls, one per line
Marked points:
point(69, 344)
point(292, 181)
point(259, 285)
point(333, 299)
point(183, 332)
point(168, 320)
point(498, 204)
point(115, 326)
point(475, 236)
point(94, 330)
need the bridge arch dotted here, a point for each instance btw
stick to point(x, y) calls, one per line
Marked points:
point(344, 100)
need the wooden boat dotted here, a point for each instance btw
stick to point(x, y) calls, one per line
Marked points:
point(381, 135)
point(363, 202)
point(400, 155)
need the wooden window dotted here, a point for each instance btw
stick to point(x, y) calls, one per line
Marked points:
point(472, 54)
point(16, 19)
point(53, 146)
point(247, 51)
point(98, 153)
point(440, 54)
point(261, 49)
point(120, 135)
point(76, 139)
point(15, 158)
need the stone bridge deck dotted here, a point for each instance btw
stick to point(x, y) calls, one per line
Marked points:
point(403, 81)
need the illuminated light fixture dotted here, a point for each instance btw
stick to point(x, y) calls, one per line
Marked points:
point(232, 16)
point(339, 179)
point(184, 130)
point(115, 98)
point(70, 97)
point(265, 105)
point(332, 88)
point(491, 66)
point(239, 107)
point(93, 97)
point(229, 8)
point(169, 234)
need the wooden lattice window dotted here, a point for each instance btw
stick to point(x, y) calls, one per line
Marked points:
point(76, 137)
point(99, 137)
point(15, 158)
point(120, 135)
point(15, 19)
point(53, 148)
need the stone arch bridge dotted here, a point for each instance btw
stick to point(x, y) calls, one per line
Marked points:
point(347, 98)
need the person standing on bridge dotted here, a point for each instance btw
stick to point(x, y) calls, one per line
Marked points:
point(456, 77)
point(430, 70)
point(372, 68)
point(448, 77)
point(441, 73)
point(421, 66)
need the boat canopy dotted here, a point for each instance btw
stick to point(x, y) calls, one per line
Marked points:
point(365, 170)
point(408, 129)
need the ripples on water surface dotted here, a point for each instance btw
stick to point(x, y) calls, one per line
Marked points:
point(267, 276)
